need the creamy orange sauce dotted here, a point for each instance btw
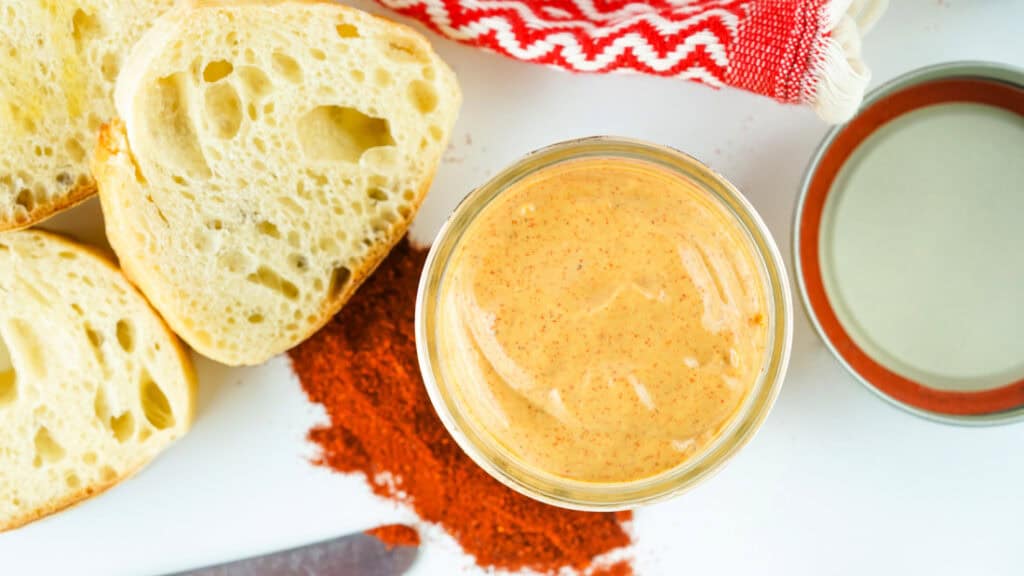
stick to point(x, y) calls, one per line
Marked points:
point(603, 320)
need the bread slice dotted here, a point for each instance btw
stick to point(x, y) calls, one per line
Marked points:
point(269, 156)
point(92, 383)
point(59, 61)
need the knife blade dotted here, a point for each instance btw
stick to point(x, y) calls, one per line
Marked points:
point(353, 555)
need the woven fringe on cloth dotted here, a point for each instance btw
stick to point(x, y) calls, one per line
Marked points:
point(795, 51)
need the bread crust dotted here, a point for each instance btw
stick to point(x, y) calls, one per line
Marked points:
point(73, 197)
point(183, 358)
point(62, 504)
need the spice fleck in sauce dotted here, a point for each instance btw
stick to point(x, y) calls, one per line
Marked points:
point(603, 319)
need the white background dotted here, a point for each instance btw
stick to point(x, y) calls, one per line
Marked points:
point(837, 482)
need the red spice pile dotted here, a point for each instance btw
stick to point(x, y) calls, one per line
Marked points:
point(362, 368)
point(394, 535)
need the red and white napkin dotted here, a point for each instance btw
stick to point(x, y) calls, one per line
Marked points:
point(795, 51)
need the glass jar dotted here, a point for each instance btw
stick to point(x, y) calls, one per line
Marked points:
point(497, 460)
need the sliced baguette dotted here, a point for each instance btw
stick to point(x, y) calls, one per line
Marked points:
point(59, 61)
point(269, 156)
point(93, 385)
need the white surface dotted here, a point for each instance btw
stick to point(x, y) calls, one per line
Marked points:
point(837, 482)
point(914, 246)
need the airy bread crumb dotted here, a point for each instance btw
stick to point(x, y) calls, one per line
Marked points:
point(269, 156)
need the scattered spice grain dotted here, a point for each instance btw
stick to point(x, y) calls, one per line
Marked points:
point(394, 535)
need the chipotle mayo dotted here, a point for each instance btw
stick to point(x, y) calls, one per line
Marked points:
point(603, 319)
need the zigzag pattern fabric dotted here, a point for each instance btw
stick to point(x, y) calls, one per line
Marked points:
point(777, 48)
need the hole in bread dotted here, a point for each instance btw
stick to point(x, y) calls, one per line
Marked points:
point(95, 338)
point(428, 73)
point(298, 262)
point(74, 149)
point(110, 66)
point(25, 200)
point(401, 49)
point(107, 474)
point(170, 125)
point(408, 195)
point(154, 403)
point(318, 54)
point(8, 376)
point(286, 67)
point(224, 108)
point(24, 343)
point(357, 75)
point(318, 178)
point(382, 77)
point(436, 133)
point(84, 26)
point(253, 112)
point(95, 345)
point(340, 134)
point(340, 278)
point(125, 335)
point(100, 406)
point(217, 70)
point(89, 458)
point(268, 228)
point(235, 262)
point(405, 212)
point(293, 236)
point(266, 277)
point(423, 95)
point(328, 245)
point(72, 480)
point(123, 426)
point(377, 194)
point(78, 309)
point(48, 450)
point(347, 30)
point(256, 318)
point(144, 434)
point(256, 83)
point(260, 145)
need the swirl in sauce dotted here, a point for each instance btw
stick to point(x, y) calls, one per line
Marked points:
point(603, 319)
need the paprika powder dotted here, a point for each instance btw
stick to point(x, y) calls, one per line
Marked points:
point(394, 535)
point(362, 367)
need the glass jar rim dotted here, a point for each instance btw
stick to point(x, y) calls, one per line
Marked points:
point(576, 494)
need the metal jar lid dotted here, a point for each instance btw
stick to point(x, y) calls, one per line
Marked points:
point(908, 243)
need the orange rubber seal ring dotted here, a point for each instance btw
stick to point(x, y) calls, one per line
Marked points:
point(899, 388)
